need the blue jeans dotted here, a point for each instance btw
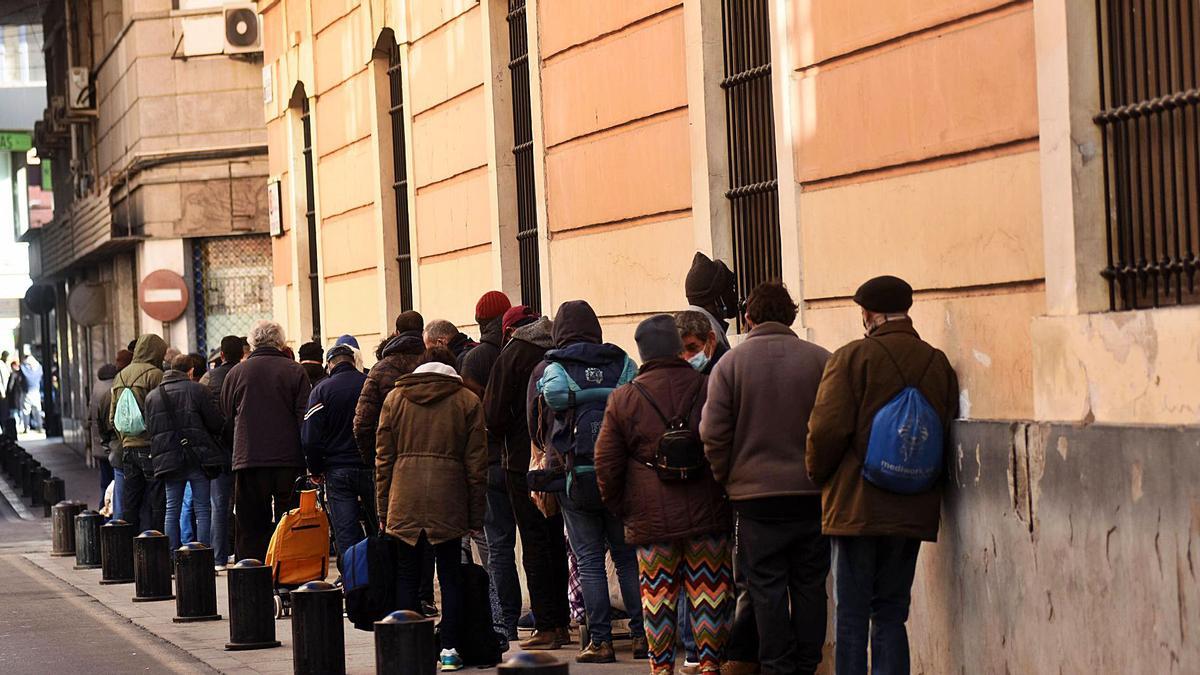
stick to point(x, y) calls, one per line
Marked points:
point(873, 579)
point(199, 483)
point(351, 492)
point(592, 530)
point(221, 492)
point(187, 528)
point(118, 488)
point(500, 527)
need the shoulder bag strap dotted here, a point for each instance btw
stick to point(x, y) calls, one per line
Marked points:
point(646, 395)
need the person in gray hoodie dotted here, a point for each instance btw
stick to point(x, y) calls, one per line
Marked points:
point(754, 427)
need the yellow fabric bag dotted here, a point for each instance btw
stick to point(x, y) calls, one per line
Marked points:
point(299, 549)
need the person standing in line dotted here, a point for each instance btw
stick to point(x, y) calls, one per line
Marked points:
point(500, 526)
point(443, 333)
point(543, 546)
point(876, 533)
point(184, 423)
point(311, 355)
point(103, 434)
point(331, 453)
point(573, 384)
point(711, 289)
point(701, 346)
point(754, 426)
point(220, 488)
point(143, 501)
point(679, 522)
point(397, 356)
point(14, 393)
point(264, 398)
point(431, 483)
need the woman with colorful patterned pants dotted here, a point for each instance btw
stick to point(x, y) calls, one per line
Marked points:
point(679, 520)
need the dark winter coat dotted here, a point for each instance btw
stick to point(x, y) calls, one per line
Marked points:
point(397, 357)
point(316, 372)
point(756, 417)
point(328, 431)
point(476, 369)
point(506, 396)
point(214, 380)
point(654, 510)
point(859, 379)
point(142, 375)
point(461, 345)
point(431, 466)
point(265, 398)
point(199, 423)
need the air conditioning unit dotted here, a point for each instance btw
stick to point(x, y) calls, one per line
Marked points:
point(243, 31)
point(79, 90)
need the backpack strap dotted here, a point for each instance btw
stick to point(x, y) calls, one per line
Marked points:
point(924, 372)
point(685, 418)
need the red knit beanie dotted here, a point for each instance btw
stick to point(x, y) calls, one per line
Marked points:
point(517, 315)
point(491, 305)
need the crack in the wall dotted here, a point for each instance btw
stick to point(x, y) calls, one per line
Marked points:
point(1107, 543)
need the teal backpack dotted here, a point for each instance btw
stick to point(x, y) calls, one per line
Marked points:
point(128, 417)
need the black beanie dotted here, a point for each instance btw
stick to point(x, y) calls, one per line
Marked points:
point(658, 338)
point(885, 295)
point(707, 280)
point(312, 351)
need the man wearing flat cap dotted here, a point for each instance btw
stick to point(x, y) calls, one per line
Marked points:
point(876, 533)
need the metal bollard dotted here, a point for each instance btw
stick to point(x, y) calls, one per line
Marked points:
point(87, 540)
point(116, 553)
point(195, 584)
point(251, 607)
point(37, 490)
point(22, 472)
point(539, 663)
point(32, 479)
point(404, 645)
point(318, 637)
point(152, 567)
point(54, 490)
point(62, 528)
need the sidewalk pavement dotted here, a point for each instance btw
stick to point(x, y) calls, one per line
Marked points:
point(206, 640)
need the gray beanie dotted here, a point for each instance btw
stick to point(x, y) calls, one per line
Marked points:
point(658, 338)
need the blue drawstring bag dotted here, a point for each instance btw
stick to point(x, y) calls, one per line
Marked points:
point(905, 452)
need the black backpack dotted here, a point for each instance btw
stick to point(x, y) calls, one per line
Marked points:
point(679, 456)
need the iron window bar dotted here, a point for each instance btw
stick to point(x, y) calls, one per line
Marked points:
point(527, 229)
point(1149, 60)
point(310, 216)
point(400, 182)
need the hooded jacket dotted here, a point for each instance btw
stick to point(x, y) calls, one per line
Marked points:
point(398, 357)
point(104, 433)
point(476, 368)
point(328, 431)
point(141, 376)
point(653, 510)
point(199, 421)
point(264, 397)
point(431, 459)
point(756, 417)
point(506, 395)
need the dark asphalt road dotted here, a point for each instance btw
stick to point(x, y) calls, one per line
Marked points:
point(47, 626)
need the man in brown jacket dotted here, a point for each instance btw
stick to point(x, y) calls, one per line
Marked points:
point(754, 425)
point(398, 355)
point(876, 534)
point(431, 482)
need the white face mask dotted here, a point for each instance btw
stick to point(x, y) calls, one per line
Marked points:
point(699, 361)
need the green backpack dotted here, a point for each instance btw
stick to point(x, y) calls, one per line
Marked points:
point(128, 417)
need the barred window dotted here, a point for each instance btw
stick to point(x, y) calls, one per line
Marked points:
point(750, 127)
point(527, 230)
point(1150, 129)
point(232, 286)
point(400, 177)
point(310, 216)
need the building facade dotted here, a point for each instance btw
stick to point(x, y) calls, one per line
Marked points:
point(1030, 167)
point(154, 131)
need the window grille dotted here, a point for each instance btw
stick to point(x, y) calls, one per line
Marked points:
point(527, 230)
point(1150, 130)
point(400, 178)
point(232, 285)
point(750, 128)
point(310, 216)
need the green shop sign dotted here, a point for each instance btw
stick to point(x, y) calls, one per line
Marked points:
point(15, 141)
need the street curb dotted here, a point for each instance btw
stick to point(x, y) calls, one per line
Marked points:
point(14, 501)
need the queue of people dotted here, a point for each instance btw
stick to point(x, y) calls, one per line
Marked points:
point(724, 482)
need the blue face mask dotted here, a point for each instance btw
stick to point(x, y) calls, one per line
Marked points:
point(699, 361)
